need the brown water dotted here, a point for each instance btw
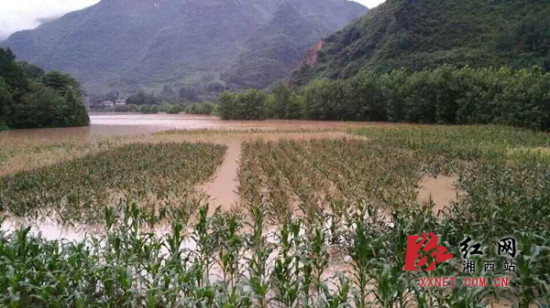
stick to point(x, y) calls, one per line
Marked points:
point(222, 188)
point(32, 148)
point(158, 122)
point(126, 124)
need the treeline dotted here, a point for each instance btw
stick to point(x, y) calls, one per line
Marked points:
point(32, 98)
point(187, 94)
point(150, 109)
point(195, 108)
point(447, 94)
point(150, 103)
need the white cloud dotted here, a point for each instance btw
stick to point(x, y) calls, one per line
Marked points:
point(18, 15)
point(370, 3)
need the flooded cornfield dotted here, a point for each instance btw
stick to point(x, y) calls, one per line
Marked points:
point(191, 210)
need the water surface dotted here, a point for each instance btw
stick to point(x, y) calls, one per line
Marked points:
point(127, 124)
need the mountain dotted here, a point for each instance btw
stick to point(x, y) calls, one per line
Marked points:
point(417, 34)
point(125, 45)
point(274, 50)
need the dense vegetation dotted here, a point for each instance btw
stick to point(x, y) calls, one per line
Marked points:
point(32, 98)
point(122, 46)
point(150, 109)
point(188, 99)
point(200, 108)
point(78, 190)
point(247, 105)
point(425, 34)
point(324, 249)
point(446, 94)
point(149, 103)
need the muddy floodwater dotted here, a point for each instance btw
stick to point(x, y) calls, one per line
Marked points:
point(35, 148)
point(121, 124)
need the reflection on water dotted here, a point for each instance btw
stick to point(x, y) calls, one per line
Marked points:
point(120, 124)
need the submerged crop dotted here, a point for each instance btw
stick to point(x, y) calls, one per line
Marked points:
point(322, 223)
point(161, 174)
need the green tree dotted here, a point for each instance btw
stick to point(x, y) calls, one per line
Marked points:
point(199, 108)
point(282, 99)
point(226, 106)
point(30, 98)
point(251, 104)
point(60, 82)
point(13, 76)
point(326, 100)
point(30, 71)
point(366, 93)
point(247, 105)
point(295, 107)
point(77, 113)
point(5, 103)
point(37, 108)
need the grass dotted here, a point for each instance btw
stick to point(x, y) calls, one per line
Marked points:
point(323, 223)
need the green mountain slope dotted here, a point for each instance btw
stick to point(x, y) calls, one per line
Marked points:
point(121, 45)
point(416, 34)
point(274, 50)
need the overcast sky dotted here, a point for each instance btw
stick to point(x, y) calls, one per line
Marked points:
point(18, 15)
point(370, 3)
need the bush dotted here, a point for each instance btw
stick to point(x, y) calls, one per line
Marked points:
point(173, 109)
point(170, 108)
point(199, 108)
point(148, 109)
point(126, 108)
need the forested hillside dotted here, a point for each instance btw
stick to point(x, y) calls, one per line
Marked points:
point(427, 33)
point(125, 46)
point(32, 98)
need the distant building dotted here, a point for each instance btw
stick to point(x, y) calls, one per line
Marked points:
point(121, 101)
point(107, 104)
